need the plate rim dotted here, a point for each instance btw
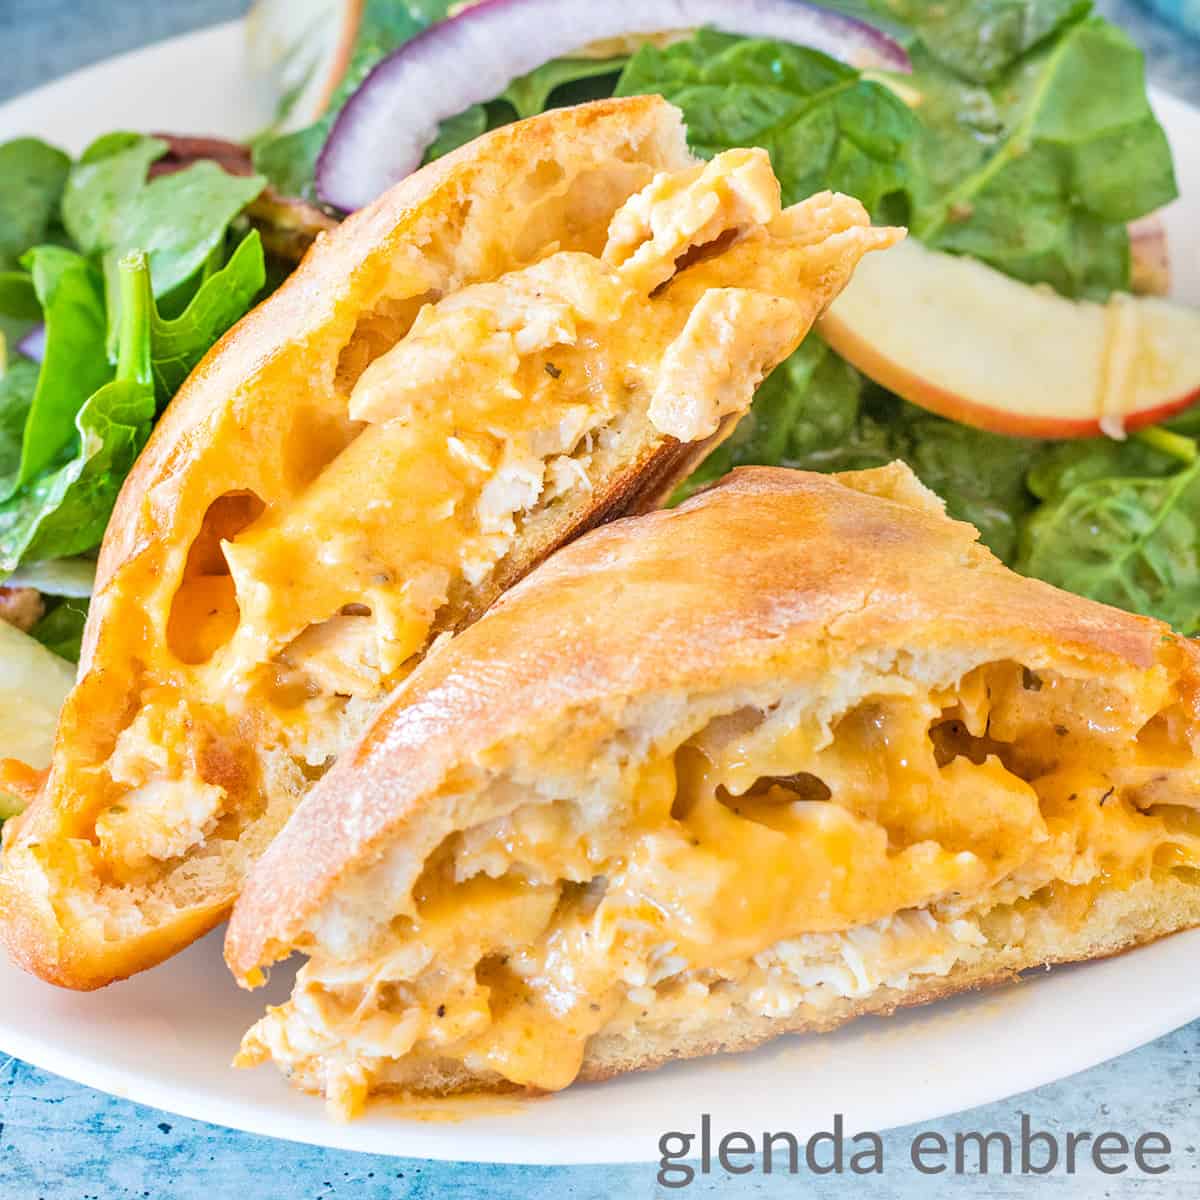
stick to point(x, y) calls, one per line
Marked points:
point(436, 1140)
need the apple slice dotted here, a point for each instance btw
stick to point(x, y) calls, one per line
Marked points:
point(961, 339)
point(300, 50)
point(1149, 255)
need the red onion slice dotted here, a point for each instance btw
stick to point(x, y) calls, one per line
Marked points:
point(33, 344)
point(382, 132)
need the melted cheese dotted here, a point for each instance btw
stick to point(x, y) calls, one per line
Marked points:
point(735, 881)
point(477, 406)
point(159, 821)
point(495, 401)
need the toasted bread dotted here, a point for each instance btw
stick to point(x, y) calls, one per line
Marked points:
point(531, 336)
point(797, 750)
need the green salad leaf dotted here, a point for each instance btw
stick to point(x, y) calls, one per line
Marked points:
point(32, 177)
point(65, 510)
point(1065, 466)
point(979, 39)
point(980, 475)
point(817, 413)
point(71, 293)
point(809, 412)
point(19, 310)
point(71, 427)
point(18, 297)
point(180, 220)
point(1131, 542)
point(61, 629)
point(533, 93)
point(1185, 423)
point(178, 344)
point(558, 82)
point(459, 130)
point(289, 160)
point(825, 125)
point(17, 386)
point(102, 186)
point(1042, 176)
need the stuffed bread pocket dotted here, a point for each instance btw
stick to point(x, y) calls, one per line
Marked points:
point(798, 750)
point(535, 334)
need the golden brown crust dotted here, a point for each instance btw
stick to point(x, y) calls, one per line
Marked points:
point(770, 567)
point(186, 701)
point(38, 943)
point(215, 438)
point(645, 484)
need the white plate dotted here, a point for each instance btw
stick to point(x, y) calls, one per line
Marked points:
point(166, 1038)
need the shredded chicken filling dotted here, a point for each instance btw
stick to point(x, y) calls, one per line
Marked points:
point(494, 402)
point(761, 868)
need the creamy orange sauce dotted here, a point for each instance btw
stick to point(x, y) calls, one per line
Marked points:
point(495, 402)
point(558, 932)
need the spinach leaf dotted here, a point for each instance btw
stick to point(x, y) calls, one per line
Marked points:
point(19, 309)
point(74, 365)
point(978, 39)
point(177, 345)
point(32, 177)
point(61, 629)
point(1186, 423)
point(962, 124)
point(69, 432)
point(824, 125)
point(384, 26)
point(1133, 543)
point(980, 475)
point(1039, 174)
point(817, 413)
point(1065, 466)
point(102, 186)
point(531, 94)
point(17, 386)
point(289, 160)
point(806, 412)
point(180, 220)
point(65, 510)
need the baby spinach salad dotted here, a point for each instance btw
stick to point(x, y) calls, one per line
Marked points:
point(127, 275)
point(1022, 138)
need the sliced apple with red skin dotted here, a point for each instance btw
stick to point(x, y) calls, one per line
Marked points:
point(964, 340)
point(301, 49)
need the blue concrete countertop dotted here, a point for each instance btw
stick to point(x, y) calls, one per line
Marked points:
point(59, 1141)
